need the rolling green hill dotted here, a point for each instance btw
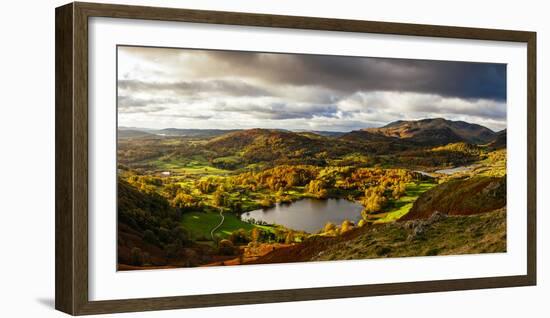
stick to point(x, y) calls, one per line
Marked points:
point(281, 147)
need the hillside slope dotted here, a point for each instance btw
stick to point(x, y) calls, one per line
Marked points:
point(129, 133)
point(266, 145)
point(149, 232)
point(435, 131)
point(461, 197)
point(437, 235)
point(499, 142)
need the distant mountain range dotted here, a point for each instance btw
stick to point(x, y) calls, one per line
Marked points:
point(124, 132)
point(429, 132)
point(435, 130)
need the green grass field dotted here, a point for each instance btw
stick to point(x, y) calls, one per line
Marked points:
point(199, 224)
point(190, 167)
point(404, 204)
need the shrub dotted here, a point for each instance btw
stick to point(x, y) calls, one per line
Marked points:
point(173, 250)
point(239, 237)
point(432, 252)
point(255, 234)
point(346, 226)
point(382, 250)
point(136, 256)
point(164, 235)
point(329, 227)
point(266, 202)
point(289, 237)
point(150, 237)
point(226, 247)
point(179, 233)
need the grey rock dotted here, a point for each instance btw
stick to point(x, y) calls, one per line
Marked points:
point(438, 216)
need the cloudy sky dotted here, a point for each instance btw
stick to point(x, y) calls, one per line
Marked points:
point(183, 88)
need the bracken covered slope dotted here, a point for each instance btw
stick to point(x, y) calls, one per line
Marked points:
point(437, 235)
point(461, 197)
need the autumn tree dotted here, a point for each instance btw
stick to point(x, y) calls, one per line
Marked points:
point(346, 226)
point(374, 200)
point(206, 185)
point(329, 226)
point(219, 198)
point(171, 190)
point(317, 189)
point(398, 190)
point(266, 202)
point(183, 200)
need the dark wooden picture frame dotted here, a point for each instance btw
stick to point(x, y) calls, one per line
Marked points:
point(71, 90)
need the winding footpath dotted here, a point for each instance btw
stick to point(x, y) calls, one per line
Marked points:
point(217, 226)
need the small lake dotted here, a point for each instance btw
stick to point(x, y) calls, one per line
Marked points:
point(449, 171)
point(308, 215)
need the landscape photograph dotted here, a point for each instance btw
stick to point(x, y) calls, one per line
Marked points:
point(242, 158)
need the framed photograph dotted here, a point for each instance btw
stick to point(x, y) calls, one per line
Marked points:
point(211, 158)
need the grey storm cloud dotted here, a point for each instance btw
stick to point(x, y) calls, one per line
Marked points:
point(186, 115)
point(427, 103)
point(144, 110)
point(232, 88)
point(351, 74)
point(280, 110)
point(132, 105)
point(485, 110)
point(125, 101)
point(208, 87)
